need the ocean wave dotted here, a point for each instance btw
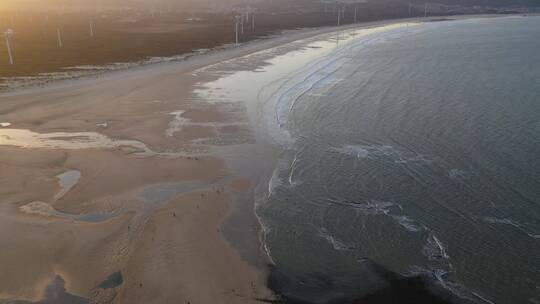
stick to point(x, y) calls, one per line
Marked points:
point(277, 180)
point(396, 155)
point(457, 173)
point(370, 207)
point(408, 223)
point(441, 277)
point(434, 249)
point(521, 227)
point(476, 294)
point(351, 150)
point(315, 79)
point(292, 168)
point(336, 243)
point(274, 183)
point(284, 100)
point(390, 209)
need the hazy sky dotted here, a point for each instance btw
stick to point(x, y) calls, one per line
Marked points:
point(41, 4)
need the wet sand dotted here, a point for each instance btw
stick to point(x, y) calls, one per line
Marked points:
point(141, 220)
point(71, 231)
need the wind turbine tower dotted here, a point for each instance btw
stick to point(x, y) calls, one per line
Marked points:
point(7, 36)
point(92, 32)
point(59, 37)
point(341, 15)
point(238, 21)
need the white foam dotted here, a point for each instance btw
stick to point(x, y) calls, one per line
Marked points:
point(175, 125)
point(440, 276)
point(482, 298)
point(504, 221)
point(370, 207)
point(407, 223)
point(336, 243)
point(434, 249)
point(293, 182)
point(352, 150)
point(282, 102)
point(395, 155)
point(456, 173)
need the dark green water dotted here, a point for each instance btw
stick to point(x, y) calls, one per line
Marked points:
point(418, 150)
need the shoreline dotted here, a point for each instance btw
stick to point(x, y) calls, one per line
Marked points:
point(137, 104)
point(193, 61)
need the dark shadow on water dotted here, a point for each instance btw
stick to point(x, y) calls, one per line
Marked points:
point(396, 289)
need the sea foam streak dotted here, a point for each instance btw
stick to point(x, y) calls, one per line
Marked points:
point(336, 243)
point(519, 226)
point(376, 207)
point(352, 150)
point(408, 223)
point(397, 155)
point(434, 249)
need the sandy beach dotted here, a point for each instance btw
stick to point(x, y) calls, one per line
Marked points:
point(112, 190)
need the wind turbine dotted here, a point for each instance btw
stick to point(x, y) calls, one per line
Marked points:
point(59, 37)
point(7, 35)
point(341, 15)
point(91, 24)
point(410, 9)
point(425, 10)
point(355, 14)
point(238, 19)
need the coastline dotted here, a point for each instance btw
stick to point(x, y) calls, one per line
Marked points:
point(193, 61)
point(138, 105)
